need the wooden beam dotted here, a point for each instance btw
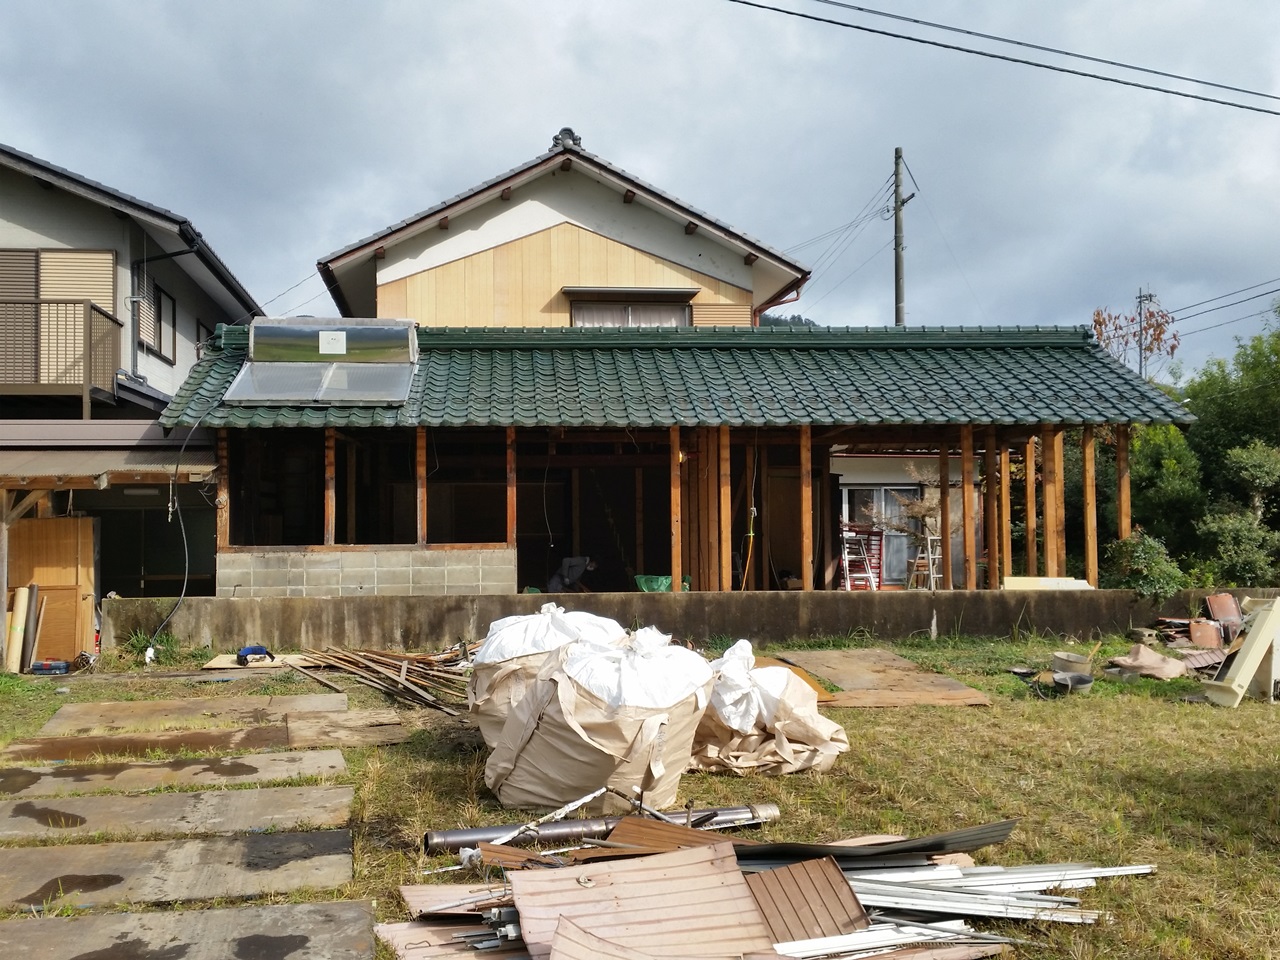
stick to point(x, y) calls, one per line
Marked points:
point(640, 520)
point(566, 163)
point(826, 522)
point(1006, 516)
point(1090, 507)
point(380, 253)
point(806, 507)
point(967, 508)
point(944, 513)
point(726, 514)
point(20, 508)
point(750, 258)
point(330, 484)
point(677, 548)
point(1124, 520)
point(1049, 488)
point(764, 547)
point(506, 193)
point(991, 508)
point(511, 486)
point(420, 461)
point(444, 223)
point(628, 196)
point(752, 558)
point(1060, 460)
point(1029, 488)
point(690, 227)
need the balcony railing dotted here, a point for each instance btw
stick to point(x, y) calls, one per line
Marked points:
point(65, 347)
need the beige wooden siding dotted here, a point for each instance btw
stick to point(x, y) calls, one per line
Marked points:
point(71, 275)
point(518, 284)
point(18, 320)
point(17, 274)
point(722, 314)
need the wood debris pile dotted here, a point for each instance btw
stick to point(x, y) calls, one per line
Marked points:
point(659, 889)
point(437, 680)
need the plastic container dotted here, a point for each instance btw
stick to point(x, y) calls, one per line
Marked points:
point(652, 583)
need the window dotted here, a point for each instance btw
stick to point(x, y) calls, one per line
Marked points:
point(886, 508)
point(204, 337)
point(158, 325)
point(593, 314)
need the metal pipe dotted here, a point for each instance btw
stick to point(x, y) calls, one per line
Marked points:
point(450, 841)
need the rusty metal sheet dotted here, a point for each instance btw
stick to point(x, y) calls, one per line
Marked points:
point(1223, 607)
point(178, 814)
point(163, 871)
point(807, 900)
point(136, 715)
point(316, 931)
point(878, 678)
point(693, 901)
point(139, 776)
point(1206, 633)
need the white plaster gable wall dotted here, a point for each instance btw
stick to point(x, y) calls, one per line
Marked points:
point(558, 198)
point(888, 471)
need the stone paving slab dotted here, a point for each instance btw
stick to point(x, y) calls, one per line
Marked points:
point(298, 931)
point(140, 776)
point(131, 715)
point(178, 814)
point(164, 871)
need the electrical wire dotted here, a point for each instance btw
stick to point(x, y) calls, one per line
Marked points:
point(1223, 296)
point(1007, 59)
point(1258, 314)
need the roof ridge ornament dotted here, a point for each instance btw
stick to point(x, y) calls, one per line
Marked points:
point(566, 138)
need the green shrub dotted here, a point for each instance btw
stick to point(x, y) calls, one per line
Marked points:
point(1244, 549)
point(1142, 564)
point(168, 648)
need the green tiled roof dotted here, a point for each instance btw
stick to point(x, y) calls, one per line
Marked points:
point(744, 376)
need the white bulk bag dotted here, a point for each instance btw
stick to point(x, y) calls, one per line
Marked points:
point(512, 654)
point(763, 719)
point(622, 716)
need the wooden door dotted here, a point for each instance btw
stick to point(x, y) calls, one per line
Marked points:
point(58, 556)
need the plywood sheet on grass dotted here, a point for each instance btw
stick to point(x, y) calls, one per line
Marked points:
point(163, 871)
point(178, 814)
point(447, 897)
point(227, 661)
point(878, 678)
point(135, 715)
point(692, 902)
point(316, 931)
point(354, 728)
point(139, 776)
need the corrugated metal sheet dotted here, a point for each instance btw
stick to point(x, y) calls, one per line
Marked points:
point(694, 902)
point(572, 942)
point(807, 900)
point(94, 463)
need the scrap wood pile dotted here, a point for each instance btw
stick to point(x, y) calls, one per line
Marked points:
point(437, 680)
point(654, 888)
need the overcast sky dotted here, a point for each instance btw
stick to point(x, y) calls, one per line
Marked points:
point(285, 130)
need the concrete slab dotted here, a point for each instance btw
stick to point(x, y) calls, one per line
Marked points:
point(179, 814)
point(165, 871)
point(133, 715)
point(137, 777)
point(298, 931)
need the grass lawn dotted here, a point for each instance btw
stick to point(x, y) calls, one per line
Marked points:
point(1128, 773)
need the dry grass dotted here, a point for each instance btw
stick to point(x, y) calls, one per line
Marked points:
point(1125, 774)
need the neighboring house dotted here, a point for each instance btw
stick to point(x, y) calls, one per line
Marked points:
point(565, 361)
point(104, 300)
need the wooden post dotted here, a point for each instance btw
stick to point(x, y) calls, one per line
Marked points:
point(1090, 509)
point(944, 512)
point(1006, 519)
point(764, 548)
point(991, 509)
point(420, 461)
point(753, 552)
point(222, 504)
point(330, 485)
point(511, 486)
point(575, 487)
point(639, 519)
point(1029, 486)
point(967, 508)
point(726, 514)
point(677, 548)
point(806, 507)
point(1061, 460)
point(825, 520)
point(1124, 522)
point(1049, 486)
point(351, 491)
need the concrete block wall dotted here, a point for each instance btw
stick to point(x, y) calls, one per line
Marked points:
point(385, 572)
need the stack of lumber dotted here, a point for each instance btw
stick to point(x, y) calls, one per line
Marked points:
point(437, 680)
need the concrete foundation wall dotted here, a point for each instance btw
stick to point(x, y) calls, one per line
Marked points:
point(385, 572)
point(431, 623)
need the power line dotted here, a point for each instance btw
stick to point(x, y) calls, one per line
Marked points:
point(885, 246)
point(1224, 323)
point(1007, 59)
point(1223, 296)
point(1223, 306)
point(1043, 49)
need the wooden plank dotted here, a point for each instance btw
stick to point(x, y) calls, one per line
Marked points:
point(877, 678)
point(227, 661)
point(677, 547)
point(1049, 488)
point(511, 486)
point(752, 558)
point(420, 461)
point(330, 485)
point(178, 814)
point(355, 728)
point(944, 512)
point(691, 901)
point(765, 547)
point(1006, 516)
point(134, 777)
point(826, 521)
point(806, 507)
point(223, 502)
point(1029, 497)
point(1090, 507)
point(991, 508)
point(1124, 521)
point(118, 717)
point(316, 931)
point(163, 871)
point(967, 508)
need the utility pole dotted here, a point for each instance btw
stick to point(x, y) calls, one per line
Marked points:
point(899, 285)
point(1143, 299)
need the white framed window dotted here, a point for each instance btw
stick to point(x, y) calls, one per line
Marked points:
point(589, 313)
point(158, 325)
